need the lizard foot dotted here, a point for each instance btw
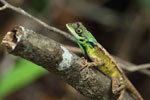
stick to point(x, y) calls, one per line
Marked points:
point(121, 94)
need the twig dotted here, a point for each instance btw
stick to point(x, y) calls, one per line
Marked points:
point(139, 67)
point(74, 49)
point(3, 7)
point(23, 12)
point(58, 60)
point(125, 65)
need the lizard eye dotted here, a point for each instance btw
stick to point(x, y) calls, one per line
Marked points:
point(79, 32)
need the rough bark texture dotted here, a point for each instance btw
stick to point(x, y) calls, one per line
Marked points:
point(58, 60)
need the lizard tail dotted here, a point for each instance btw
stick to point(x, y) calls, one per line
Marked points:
point(134, 91)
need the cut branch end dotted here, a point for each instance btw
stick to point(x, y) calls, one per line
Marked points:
point(13, 37)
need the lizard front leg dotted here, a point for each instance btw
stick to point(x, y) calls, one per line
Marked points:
point(98, 62)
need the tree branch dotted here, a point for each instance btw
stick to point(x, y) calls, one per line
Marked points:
point(58, 60)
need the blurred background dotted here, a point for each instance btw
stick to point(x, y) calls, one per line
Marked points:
point(121, 26)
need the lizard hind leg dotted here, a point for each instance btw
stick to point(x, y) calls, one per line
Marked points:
point(118, 87)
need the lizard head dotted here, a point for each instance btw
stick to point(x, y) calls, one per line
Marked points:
point(83, 37)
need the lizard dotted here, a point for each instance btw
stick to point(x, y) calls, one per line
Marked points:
point(98, 56)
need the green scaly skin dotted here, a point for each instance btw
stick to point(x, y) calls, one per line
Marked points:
point(97, 54)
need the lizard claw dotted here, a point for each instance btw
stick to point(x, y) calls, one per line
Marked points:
point(85, 63)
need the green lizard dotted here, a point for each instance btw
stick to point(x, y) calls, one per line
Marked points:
point(102, 59)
